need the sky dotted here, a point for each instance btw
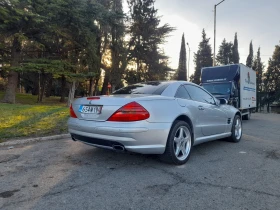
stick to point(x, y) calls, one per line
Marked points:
point(256, 20)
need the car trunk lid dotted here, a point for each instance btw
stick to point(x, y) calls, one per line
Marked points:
point(100, 108)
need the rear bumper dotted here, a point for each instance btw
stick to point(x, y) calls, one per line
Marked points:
point(140, 137)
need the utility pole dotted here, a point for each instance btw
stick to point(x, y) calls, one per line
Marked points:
point(215, 8)
point(188, 73)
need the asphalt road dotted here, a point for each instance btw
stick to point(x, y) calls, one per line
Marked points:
point(64, 174)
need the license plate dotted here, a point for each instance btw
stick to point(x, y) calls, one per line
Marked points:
point(90, 109)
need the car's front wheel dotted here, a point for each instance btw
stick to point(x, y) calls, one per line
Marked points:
point(179, 144)
point(236, 130)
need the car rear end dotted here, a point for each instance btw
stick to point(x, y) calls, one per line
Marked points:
point(120, 122)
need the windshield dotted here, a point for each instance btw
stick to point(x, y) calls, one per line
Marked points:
point(155, 88)
point(218, 88)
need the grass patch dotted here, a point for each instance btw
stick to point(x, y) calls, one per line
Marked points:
point(31, 120)
point(27, 118)
point(22, 98)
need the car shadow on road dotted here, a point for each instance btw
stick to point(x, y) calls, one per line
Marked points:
point(129, 158)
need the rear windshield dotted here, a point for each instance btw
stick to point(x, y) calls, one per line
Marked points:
point(154, 88)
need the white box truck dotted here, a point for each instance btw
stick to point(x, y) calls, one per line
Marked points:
point(236, 83)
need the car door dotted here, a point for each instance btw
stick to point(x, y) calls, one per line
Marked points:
point(190, 109)
point(212, 119)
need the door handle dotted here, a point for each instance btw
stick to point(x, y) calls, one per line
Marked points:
point(200, 107)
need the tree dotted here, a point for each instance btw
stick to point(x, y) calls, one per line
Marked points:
point(117, 49)
point(258, 66)
point(18, 21)
point(235, 53)
point(182, 69)
point(44, 33)
point(73, 36)
point(56, 46)
point(272, 78)
point(250, 58)
point(203, 57)
point(225, 54)
point(146, 36)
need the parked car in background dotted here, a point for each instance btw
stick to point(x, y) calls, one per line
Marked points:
point(165, 118)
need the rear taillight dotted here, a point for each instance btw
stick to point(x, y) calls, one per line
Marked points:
point(72, 113)
point(130, 112)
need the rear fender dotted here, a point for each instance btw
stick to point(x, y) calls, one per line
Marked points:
point(186, 119)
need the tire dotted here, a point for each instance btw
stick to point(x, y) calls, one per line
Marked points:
point(247, 116)
point(179, 144)
point(236, 130)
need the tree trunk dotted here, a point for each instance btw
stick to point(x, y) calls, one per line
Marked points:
point(49, 87)
point(35, 90)
point(39, 87)
point(42, 93)
point(98, 66)
point(43, 82)
point(10, 94)
point(96, 86)
point(63, 88)
point(71, 94)
point(267, 108)
point(90, 91)
point(105, 83)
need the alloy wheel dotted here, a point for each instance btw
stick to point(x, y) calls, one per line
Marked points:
point(182, 143)
point(238, 128)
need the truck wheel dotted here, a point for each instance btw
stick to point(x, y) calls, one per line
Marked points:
point(179, 144)
point(236, 129)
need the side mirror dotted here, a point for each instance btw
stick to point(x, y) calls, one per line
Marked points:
point(223, 101)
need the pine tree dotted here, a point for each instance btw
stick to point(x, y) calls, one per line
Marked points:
point(249, 61)
point(182, 69)
point(146, 36)
point(225, 55)
point(235, 53)
point(272, 78)
point(17, 23)
point(117, 49)
point(70, 32)
point(258, 66)
point(203, 57)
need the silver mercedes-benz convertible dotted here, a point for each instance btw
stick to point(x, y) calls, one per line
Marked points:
point(166, 118)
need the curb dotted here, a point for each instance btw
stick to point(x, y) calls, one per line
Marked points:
point(31, 140)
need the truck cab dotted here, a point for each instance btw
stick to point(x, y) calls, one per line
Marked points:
point(226, 90)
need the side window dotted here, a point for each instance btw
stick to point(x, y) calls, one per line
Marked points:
point(182, 93)
point(198, 94)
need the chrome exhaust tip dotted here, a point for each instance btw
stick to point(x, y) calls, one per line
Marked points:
point(118, 148)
